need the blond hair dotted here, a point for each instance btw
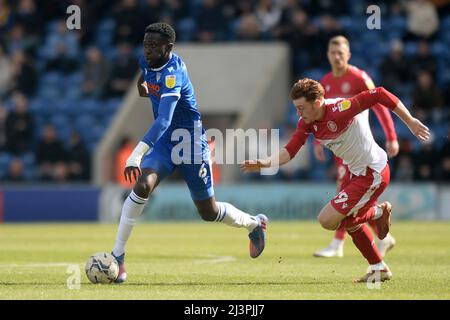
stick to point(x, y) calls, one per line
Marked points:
point(338, 40)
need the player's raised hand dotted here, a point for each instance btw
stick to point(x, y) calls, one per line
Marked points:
point(131, 172)
point(420, 130)
point(254, 165)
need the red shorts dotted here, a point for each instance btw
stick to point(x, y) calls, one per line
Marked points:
point(359, 193)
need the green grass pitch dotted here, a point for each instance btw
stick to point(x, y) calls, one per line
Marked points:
point(210, 261)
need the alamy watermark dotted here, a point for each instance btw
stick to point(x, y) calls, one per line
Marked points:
point(236, 146)
point(73, 281)
point(73, 22)
point(374, 20)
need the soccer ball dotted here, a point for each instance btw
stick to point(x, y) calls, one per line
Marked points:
point(102, 267)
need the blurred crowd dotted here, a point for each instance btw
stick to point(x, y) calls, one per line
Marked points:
point(59, 88)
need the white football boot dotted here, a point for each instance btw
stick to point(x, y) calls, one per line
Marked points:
point(335, 249)
point(386, 244)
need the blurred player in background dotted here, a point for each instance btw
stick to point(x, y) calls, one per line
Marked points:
point(336, 125)
point(165, 81)
point(345, 81)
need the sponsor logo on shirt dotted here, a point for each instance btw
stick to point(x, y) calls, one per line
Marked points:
point(170, 81)
point(344, 105)
point(153, 89)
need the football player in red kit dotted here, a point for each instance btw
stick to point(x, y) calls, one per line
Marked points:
point(345, 81)
point(336, 125)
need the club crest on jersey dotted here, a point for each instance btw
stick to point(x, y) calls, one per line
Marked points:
point(345, 87)
point(344, 105)
point(170, 81)
point(332, 126)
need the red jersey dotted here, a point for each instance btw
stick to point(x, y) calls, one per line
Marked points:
point(345, 133)
point(350, 84)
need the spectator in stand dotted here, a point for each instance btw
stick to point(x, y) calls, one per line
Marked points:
point(425, 162)
point(3, 115)
point(63, 49)
point(405, 168)
point(18, 41)
point(423, 19)
point(329, 28)
point(5, 18)
point(395, 69)
point(423, 61)
point(154, 11)
point(329, 7)
point(124, 69)
point(28, 16)
point(299, 33)
point(129, 23)
point(95, 73)
point(403, 165)
point(15, 171)
point(50, 155)
point(89, 17)
point(177, 10)
point(19, 126)
point(24, 74)
point(268, 15)
point(6, 72)
point(211, 22)
point(444, 172)
point(284, 26)
point(79, 162)
point(427, 97)
point(248, 28)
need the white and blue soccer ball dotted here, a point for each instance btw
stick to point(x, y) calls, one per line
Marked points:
point(102, 267)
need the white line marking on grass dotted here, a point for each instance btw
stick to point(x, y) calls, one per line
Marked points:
point(36, 265)
point(215, 259)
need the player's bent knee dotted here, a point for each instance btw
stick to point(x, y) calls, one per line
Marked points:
point(327, 223)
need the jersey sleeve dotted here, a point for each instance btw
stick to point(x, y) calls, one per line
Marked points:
point(298, 139)
point(383, 115)
point(172, 82)
point(349, 108)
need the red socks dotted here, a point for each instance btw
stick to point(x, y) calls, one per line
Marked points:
point(340, 233)
point(363, 240)
point(351, 222)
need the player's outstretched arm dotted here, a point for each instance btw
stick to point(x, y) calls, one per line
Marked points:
point(279, 158)
point(420, 130)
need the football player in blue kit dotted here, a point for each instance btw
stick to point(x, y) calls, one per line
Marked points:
point(165, 82)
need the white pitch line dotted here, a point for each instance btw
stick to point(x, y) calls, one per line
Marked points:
point(215, 259)
point(37, 265)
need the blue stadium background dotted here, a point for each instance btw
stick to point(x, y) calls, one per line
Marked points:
point(45, 68)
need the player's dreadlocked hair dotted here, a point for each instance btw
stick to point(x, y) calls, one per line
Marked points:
point(162, 28)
